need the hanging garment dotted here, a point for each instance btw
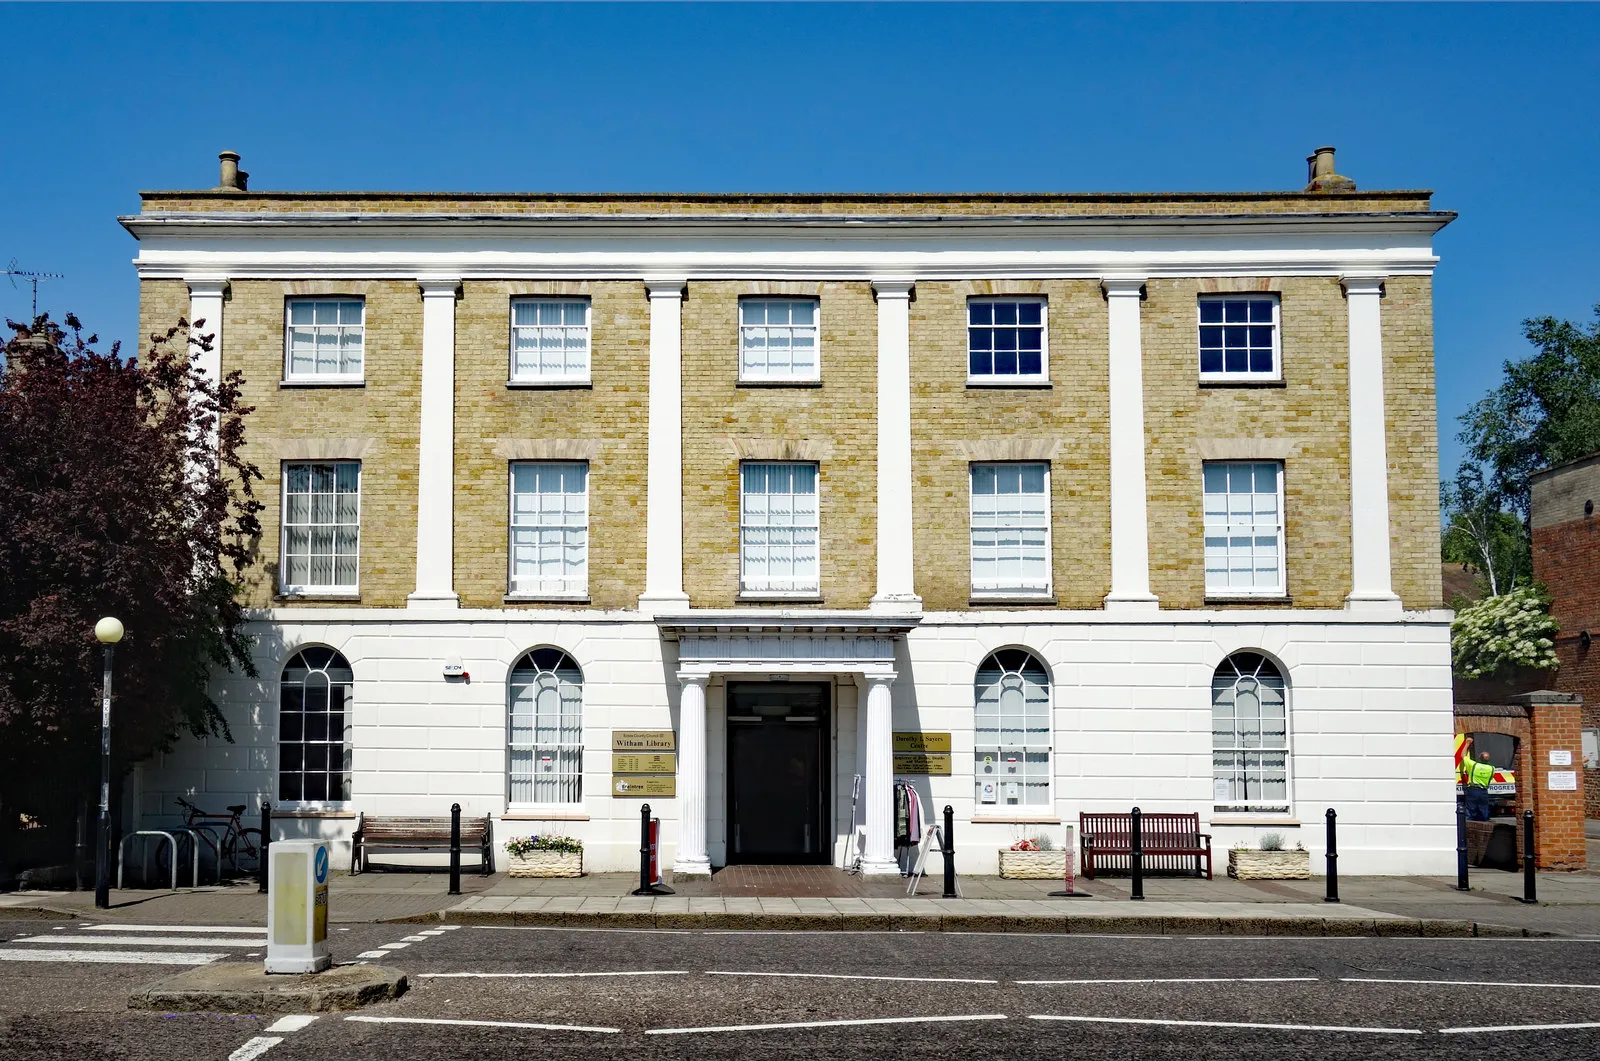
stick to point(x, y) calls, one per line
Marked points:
point(902, 815)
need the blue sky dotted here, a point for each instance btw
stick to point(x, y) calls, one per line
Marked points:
point(1494, 107)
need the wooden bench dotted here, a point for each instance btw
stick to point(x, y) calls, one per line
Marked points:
point(420, 834)
point(1168, 842)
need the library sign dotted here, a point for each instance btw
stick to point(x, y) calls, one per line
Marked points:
point(644, 763)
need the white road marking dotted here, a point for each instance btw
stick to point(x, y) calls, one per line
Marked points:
point(849, 976)
point(1184, 980)
point(450, 928)
point(825, 1024)
point(373, 954)
point(1520, 1028)
point(483, 1024)
point(1228, 1024)
point(554, 928)
point(394, 946)
point(254, 1048)
point(236, 930)
point(1462, 983)
point(292, 1023)
point(109, 957)
point(415, 939)
point(524, 976)
point(142, 941)
point(432, 932)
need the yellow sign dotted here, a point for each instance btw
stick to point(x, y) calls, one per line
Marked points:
point(319, 928)
point(647, 785)
point(643, 740)
point(917, 741)
point(934, 764)
point(644, 763)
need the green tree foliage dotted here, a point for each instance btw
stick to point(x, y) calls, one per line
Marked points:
point(1481, 536)
point(1491, 637)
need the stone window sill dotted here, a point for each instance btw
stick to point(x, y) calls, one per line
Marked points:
point(549, 384)
point(316, 597)
point(814, 384)
point(544, 598)
point(1009, 599)
point(1015, 819)
point(336, 383)
point(779, 598)
point(1209, 384)
point(1009, 384)
point(330, 815)
point(1264, 818)
point(526, 814)
point(1263, 599)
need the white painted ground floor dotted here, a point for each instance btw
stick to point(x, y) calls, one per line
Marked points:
point(1257, 721)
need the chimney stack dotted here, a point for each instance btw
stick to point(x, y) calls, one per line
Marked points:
point(233, 178)
point(1320, 176)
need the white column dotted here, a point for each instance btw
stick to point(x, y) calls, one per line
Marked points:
point(878, 779)
point(663, 562)
point(1130, 529)
point(1369, 462)
point(895, 591)
point(436, 448)
point(692, 859)
point(205, 303)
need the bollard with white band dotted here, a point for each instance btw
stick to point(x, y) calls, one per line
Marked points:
point(297, 907)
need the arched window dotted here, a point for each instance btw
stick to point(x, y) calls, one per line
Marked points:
point(546, 729)
point(314, 700)
point(1011, 714)
point(1249, 735)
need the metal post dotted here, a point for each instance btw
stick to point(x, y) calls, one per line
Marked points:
point(1461, 847)
point(102, 857)
point(1136, 855)
point(266, 844)
point(1530, 889)
point(455, 849)
point(644, 850)
point(1333, 858)
point(81, 857)
point(949, 846)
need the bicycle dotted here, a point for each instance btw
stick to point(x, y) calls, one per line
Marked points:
point(241, 847)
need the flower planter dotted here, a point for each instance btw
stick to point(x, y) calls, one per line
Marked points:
point(545, 864)
point(1249, 864)
point(1033, 865)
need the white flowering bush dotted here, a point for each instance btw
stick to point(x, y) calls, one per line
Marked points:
point(1496, 634)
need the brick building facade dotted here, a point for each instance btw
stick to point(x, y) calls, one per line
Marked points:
point(1120, 498)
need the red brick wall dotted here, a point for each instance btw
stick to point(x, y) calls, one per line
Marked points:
point(1566, 559)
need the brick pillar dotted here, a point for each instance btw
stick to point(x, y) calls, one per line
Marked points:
point(1555, 725)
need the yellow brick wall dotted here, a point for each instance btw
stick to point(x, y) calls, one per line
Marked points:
point(613, 411)
point(1311, 412)
point(840, 416)
point(1070, 417)
point(386, 410)
point(1412, 436)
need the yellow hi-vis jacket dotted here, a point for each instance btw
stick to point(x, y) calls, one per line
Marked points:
point(1478, 775)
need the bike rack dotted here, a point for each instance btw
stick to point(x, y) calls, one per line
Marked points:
point(122, 853)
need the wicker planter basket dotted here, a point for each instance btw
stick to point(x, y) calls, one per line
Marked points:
point(545, 864)
point(1248, 864)
point(1033, 865)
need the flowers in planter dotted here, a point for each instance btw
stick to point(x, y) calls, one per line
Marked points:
point(1034, 843)
point(523, 846)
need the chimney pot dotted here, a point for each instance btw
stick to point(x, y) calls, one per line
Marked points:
point(230, 179)
point(1320, 174)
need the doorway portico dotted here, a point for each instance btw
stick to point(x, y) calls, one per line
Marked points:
point(840, 648)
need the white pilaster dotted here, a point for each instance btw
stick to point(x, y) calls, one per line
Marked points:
point(663, 563)
point(878, 778)
point(1370, 586)
point(692, 859)
point(1130, 530)
point(895, 590)
point(205, 304)
point(436, 448)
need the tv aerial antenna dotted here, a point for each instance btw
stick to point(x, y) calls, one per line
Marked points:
point(30, 277)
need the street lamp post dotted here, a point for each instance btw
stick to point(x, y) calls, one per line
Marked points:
point(108, 632)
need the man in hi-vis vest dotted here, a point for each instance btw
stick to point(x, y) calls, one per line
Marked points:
point(1475, 781)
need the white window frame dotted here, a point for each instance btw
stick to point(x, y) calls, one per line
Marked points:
point(289, 589)
point(573, 588)
point(995, 589)
point(1246, 376)
point(314, 378)
point(573, 747)
point(1279, 590)
point(347, 744)
point(815, 327)
point(807, 591)
point(998, 380)
point(999, 808)
point(1236, 748)
point(563, 378)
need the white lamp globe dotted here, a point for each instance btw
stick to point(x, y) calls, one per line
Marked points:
point(108, 630)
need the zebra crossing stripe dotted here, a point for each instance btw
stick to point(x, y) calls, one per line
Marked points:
point(142, 941)
point(235, 930)
point(107, 957)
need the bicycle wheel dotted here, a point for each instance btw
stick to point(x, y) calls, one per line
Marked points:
point(245, 852)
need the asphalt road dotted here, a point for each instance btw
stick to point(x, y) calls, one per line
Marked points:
point(718, 994)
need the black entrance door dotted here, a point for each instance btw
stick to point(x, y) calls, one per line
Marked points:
point(777, 776)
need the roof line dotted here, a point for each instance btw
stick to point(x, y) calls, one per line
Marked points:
point(792, 197)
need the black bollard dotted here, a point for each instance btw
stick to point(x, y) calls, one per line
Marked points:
point(1461, 847)
point(1530, 889)
point(81, 856)
point(646, 885)
point(949, 845)
point(455, 849)
point(1136, 855)
point(1333, 858)
point(266, 843)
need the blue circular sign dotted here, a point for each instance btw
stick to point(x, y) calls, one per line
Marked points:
point(322, 864)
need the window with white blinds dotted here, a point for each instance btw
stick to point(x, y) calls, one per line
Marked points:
point(325, 340)
point(545, 738)
point(550, 529)
point(1011, 717)
point(1011, 529)
point(321, 527)
point(550, 340)
point(1249, 735)
point(1244, 528)
point(778, 529)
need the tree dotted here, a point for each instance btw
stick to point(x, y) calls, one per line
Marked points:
point(1496, 635)
point(1481, 536)
point(122, 492)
